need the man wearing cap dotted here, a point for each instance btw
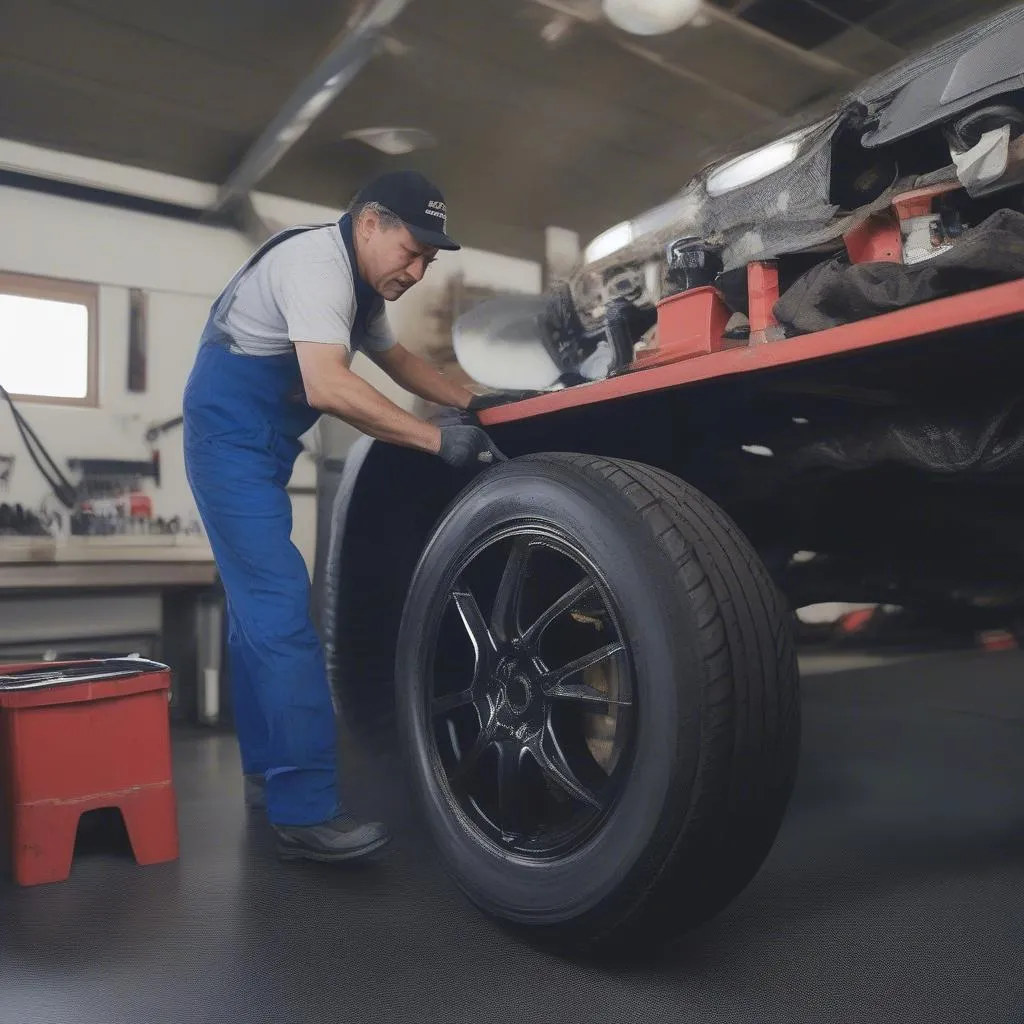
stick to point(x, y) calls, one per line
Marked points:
point(273, 357)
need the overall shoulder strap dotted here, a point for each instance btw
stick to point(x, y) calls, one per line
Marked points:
point(226, 298)
point(368, 302)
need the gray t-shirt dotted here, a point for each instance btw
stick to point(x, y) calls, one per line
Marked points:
point(301, 290)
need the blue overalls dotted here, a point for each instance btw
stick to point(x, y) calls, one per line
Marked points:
point(243, 417)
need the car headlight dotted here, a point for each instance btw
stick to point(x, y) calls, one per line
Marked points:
point(609, 241)
point(751, 167)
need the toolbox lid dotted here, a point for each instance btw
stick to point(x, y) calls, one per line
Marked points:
point(44, 675)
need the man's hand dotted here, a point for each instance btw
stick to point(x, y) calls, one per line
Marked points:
point(478, 402)
point(448, 414)
point(463, 446)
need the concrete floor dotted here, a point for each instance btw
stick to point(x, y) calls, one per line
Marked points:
point(895, 893)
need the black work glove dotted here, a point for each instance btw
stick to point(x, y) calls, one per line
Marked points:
point(449, 416)
point(465, 446)
point(478, 402)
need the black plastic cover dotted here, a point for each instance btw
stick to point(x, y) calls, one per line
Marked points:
point(982, 62)
point(837, 292)
point(988, 438)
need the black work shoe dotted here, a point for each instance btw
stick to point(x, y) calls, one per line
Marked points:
point(341, 838)
point(255, 792)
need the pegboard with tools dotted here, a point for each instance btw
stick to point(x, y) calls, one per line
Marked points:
point(111, 500)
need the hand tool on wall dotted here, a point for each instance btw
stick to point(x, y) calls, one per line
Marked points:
point(157, 429)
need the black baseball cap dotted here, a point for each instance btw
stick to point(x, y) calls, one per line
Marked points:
point(417, 202)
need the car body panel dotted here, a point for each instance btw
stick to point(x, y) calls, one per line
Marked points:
point(981, 69)
point(794, 208)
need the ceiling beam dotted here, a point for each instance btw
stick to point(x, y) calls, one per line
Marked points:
point(809, 57)
point(589, 14)
point(899, 52)
point(353, 49)
point(759, 110)
point(589, 11)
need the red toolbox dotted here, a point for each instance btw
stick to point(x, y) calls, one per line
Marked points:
point(77, 737)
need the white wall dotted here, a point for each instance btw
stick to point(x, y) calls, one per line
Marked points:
point(178, 265)
point(182, 267)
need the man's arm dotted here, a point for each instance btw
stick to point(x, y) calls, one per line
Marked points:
point(414, 374)
point(333, 388)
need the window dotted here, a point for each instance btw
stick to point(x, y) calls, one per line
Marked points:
point(48, 350)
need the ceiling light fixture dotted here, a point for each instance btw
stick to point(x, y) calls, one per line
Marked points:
point(650, 17)
point(393, 141)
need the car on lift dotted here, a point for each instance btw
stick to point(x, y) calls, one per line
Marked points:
point(798, 381)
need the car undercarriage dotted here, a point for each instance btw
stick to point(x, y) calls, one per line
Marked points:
point(796, 382)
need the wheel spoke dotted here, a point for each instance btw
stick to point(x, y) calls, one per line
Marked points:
point(505, 619)
point(468, 762)
point(554, 680)
point(581, 691)
point(556, 768)
point(511, 808)
point(479, 635)
point(447, 703)
point(562, 605)
point(513, 731)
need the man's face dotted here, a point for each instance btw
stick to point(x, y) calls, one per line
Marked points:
point(392, 260)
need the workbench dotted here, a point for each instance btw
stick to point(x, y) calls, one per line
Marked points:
point(105, 596)
point(40, 563)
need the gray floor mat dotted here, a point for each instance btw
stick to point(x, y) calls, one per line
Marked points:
point(895, 893)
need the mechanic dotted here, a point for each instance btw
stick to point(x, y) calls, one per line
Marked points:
point(273, 357)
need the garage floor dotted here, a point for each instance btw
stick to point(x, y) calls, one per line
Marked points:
point(895, 893)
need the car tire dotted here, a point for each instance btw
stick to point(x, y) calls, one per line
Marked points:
point(705, 658)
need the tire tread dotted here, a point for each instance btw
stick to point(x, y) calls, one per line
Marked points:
point(750, 708)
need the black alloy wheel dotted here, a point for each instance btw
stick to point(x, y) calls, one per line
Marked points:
point(531, 732)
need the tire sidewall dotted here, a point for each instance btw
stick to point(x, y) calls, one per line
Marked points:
point(660, 630)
